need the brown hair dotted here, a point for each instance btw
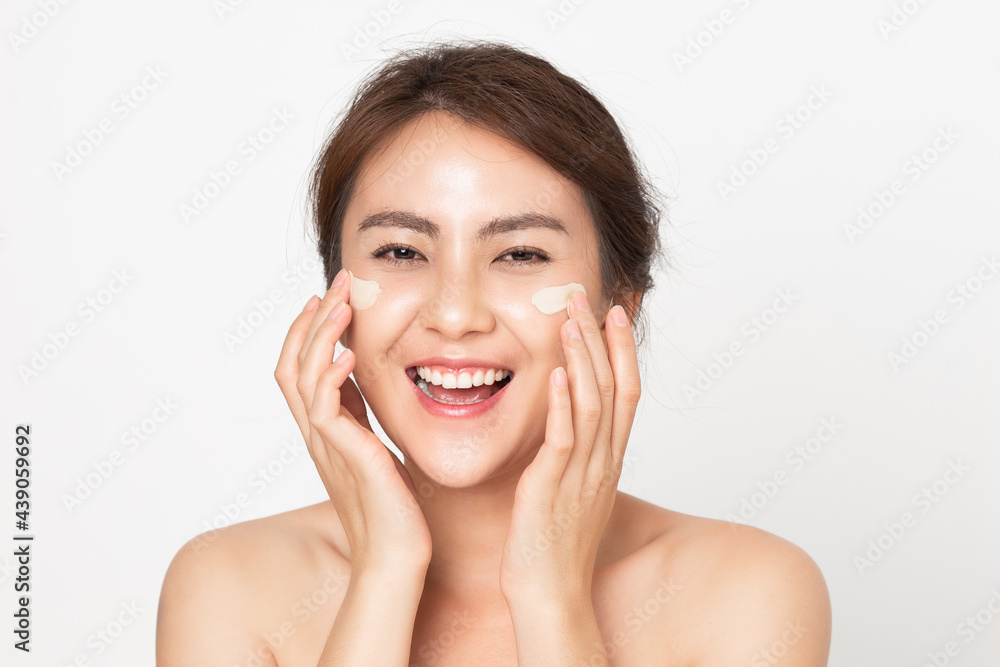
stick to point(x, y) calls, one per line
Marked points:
point(524, 99)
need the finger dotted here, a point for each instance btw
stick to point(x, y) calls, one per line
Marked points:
point(287, 371)
point(585, 398)
point(346, 442)
point(352, 400)
point(603, 374)
point(319, 356)
point(327, 415)
point(336, 293)
point(628, 383)
point(550, 461)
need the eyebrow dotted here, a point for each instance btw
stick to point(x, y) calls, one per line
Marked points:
point(495, 227)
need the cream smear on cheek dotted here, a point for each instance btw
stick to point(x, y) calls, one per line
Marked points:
point(553, 299)
point(549, 300)
point(363, 292)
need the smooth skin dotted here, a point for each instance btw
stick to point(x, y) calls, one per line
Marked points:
point(496, 541)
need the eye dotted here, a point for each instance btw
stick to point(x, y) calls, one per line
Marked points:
point(399, 255)
point(540, 256)
point(388, 248)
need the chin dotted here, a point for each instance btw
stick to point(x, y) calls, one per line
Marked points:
point(457, 465)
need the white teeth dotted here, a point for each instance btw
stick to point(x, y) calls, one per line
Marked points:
point(463, 380)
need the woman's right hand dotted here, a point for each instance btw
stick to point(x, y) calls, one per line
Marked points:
point(372, 492)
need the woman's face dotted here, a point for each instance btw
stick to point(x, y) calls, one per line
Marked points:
point(457, 294)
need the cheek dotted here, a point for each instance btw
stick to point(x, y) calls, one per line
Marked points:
point(374, 331)
point(373, 301)
point(553, 300)
point(364, 293)
point(533, 316)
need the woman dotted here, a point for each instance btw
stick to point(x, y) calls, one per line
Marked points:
point(478, 213)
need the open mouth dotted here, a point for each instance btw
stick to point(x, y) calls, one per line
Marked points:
point(455, 390)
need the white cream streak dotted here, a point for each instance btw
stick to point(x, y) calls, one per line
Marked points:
point(363, 292)
point(553, 299)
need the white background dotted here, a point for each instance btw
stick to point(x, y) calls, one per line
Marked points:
point(162, 337)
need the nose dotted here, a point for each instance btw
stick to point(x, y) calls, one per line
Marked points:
point(457, 305)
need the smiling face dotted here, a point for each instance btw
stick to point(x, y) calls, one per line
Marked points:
point(473, 218)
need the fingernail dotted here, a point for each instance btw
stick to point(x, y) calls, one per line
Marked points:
point(340, 277)
point(560, 377)
point(342, 359)
point(337, 310)
point(574, 329)
point(311, 303)
point(618, 316)
point(580, 301)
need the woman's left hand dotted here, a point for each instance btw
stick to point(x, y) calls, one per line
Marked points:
point(565, 496)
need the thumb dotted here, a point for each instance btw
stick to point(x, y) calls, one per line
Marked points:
point(351, 399)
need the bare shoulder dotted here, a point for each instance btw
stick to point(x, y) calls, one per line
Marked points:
point(739, 594)
point(228, 594)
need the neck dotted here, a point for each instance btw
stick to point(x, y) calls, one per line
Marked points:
point(468, 528)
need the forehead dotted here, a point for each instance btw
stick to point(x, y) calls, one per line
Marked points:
point(461, 177)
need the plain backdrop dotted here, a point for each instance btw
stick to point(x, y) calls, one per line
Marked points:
point(822, 357)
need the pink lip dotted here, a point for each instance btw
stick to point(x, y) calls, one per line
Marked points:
point(468, 411)
point(459, 364)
